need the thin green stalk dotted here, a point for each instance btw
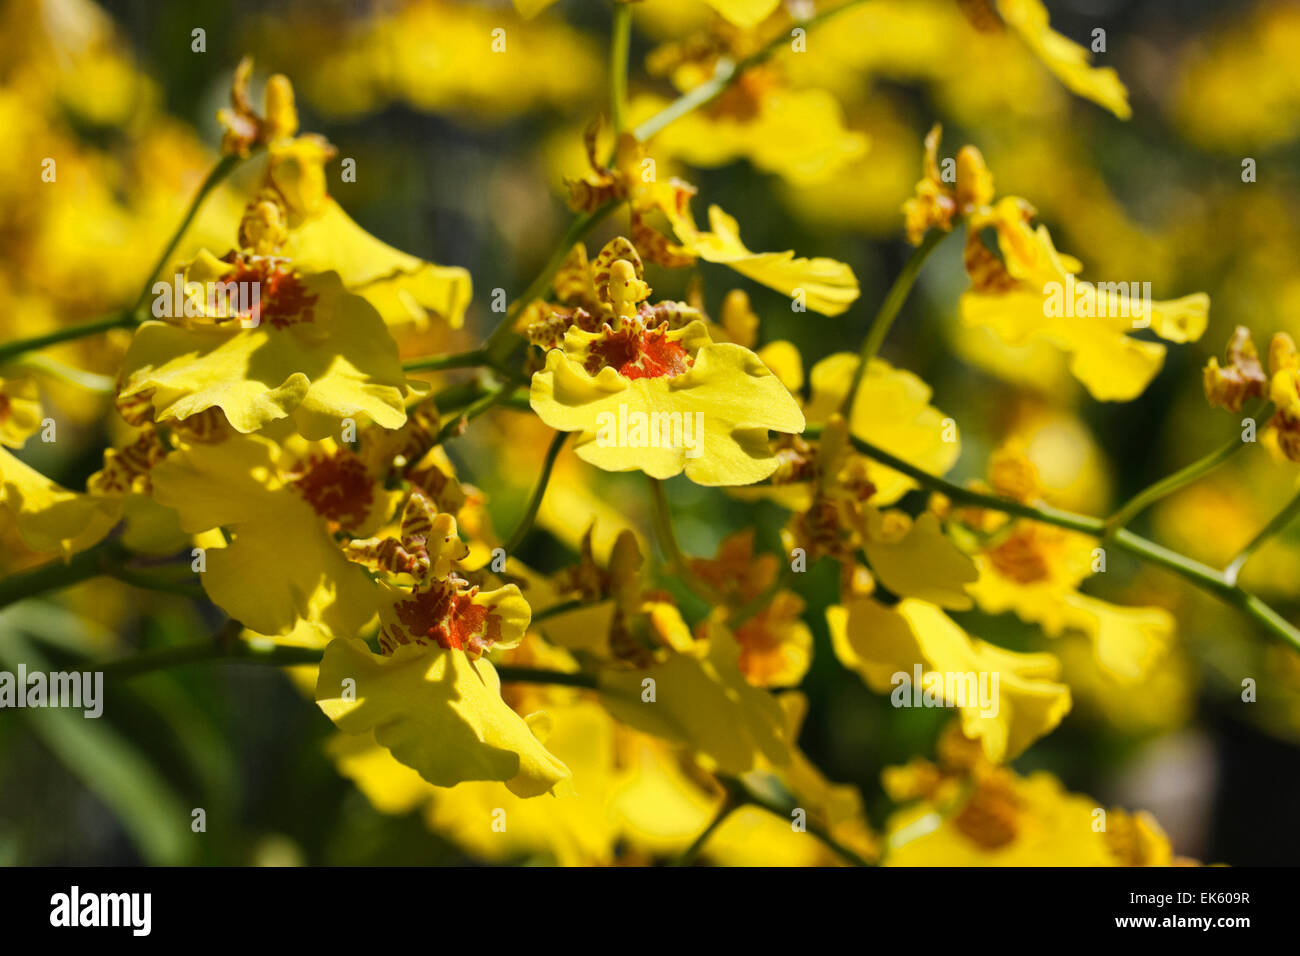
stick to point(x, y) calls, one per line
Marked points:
point(227, 647)
point(536, 675)
point(730, 803)
point(58, 574)
point(217, 650)
point(1171, 483)
point(726, 73)
point(1201, 575)
point(888, 311)
point(437, 363)
point(458, 422)
point(121, 321)
point(752, 796)
point(126, 319)
point(80, 378)
point(539, 492)
point(498, 345)
point(108, 559)
point(620, 42)
point(676, 561)
point(152, 582)
point(224, 167)
point(1279, 523)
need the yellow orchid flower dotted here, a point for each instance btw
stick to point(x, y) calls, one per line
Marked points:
point(292, 215)
point(936, 204)
point(310, 351)
point(913, 558)
point(1067, 60)
point(1007, 700)
point(965, 812)
point(1231, 385)
point(1028, 292)
point(437, 711)
point(821, 284)
point(271, 498)
point(1035, 571)
point(48, 516)
point(775, 644)
point(891, 410)
point(697, 696)
point(801, 135)
point(662, 400)
point(429, 698)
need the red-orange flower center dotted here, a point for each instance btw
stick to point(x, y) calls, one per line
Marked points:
point(448, 617)
point(282, 299)
point(337, 486)
point(636, 352)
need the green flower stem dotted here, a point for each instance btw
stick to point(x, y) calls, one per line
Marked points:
point(1279, 522)
point(726, 73)
point(620, 42)
point(227, 647)
point(79, 378)
point(753, 797)
point(1171, 483)
point(539, 492)
point(107, 559)
point(732, 801)
point(437, 363)
point(126, 319)
point(499, 344)
point(123, 320)
point(676, 561)
point(90, 563)
point(535, 675)
point(1201, 575)
point(225, 166)
point(888, 311)
point(458, 422)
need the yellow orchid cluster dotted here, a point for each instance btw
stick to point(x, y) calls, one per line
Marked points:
point(617, 694)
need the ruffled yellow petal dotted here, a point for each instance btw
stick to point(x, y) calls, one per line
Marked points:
point(438, 712)
point(1128, 641)
point(923, 563)
point(283, 565)
point(403, 288)
point(716, 415)
point(701, 699)
point(825, 285)
point(1038, 304)
point(891, 410)
point(1030, 821)
point(880, 643)
point(1065, 58)
point(50, 517)
point(330, 361)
